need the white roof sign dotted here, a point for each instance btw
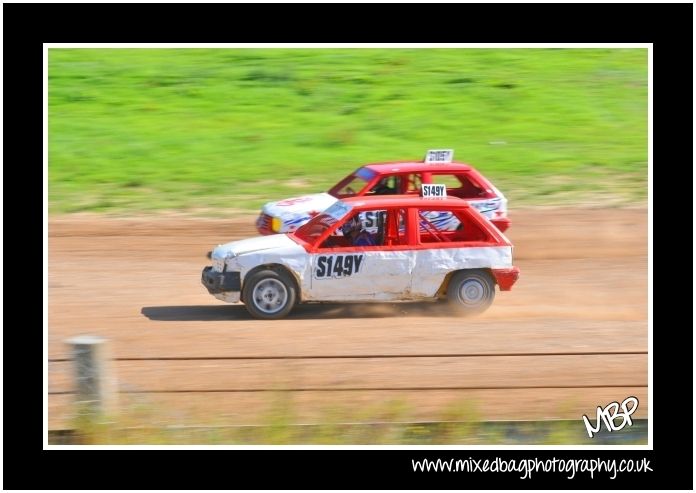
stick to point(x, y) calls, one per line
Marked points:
point(439, 156)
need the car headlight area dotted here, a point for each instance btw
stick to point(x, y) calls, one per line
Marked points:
point(276, 224)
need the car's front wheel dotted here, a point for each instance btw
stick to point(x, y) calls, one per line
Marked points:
point(471, 291)
point(268, 294)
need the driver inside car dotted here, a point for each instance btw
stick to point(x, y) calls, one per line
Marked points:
point(353, 230)
point(386, 186)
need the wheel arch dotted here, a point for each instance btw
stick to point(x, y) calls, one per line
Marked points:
point(442, 290)
point(279, 268)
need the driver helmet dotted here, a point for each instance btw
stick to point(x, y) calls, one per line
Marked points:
point(383, 188)
point(353, 225)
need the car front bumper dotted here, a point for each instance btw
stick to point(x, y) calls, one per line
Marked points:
point(224, 285)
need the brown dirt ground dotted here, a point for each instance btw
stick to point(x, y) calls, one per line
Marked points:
point(135, 281)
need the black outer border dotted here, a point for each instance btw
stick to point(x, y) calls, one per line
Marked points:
point(27, 26)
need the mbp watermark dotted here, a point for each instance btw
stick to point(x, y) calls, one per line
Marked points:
point(609, 414)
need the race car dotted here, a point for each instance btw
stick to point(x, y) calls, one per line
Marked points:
point(333, 258)
point(394, 178)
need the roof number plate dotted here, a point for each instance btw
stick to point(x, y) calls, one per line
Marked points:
point(433, 191)
point(439, 156)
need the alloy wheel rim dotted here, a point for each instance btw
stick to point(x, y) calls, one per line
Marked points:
point(472, 292)
point(270, 296)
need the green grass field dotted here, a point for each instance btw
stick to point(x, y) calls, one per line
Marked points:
point(138, 130)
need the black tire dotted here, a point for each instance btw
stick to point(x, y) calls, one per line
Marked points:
point(269, 294)
point(471, 291)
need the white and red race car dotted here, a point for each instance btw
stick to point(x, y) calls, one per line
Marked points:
point(394, 178)
point(334, 258)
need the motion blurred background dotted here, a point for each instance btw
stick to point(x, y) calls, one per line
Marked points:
point(133, 130)
point(155, 155)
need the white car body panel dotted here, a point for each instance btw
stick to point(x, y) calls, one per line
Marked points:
point(294, 212)
point(243, 255)
point(256, 244)
point(383, 275)
point(432, 265)
point(368, 275)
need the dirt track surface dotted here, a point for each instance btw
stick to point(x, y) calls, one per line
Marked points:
point(571, 335)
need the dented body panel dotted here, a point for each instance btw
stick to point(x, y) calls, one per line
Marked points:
point(432, 266)
point(245, 255)
point(411, 261)
point(377, 276)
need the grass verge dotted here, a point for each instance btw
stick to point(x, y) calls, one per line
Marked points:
point(138, 130)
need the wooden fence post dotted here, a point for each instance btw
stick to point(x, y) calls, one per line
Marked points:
point(95, 383)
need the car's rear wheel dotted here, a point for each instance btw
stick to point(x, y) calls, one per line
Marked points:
point(269, 294)
point(471, 291)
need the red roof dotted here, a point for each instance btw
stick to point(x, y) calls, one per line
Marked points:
point(414, 166)
point(403, 201)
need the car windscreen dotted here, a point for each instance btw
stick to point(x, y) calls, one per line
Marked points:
point(312, 231)
point(353, 184)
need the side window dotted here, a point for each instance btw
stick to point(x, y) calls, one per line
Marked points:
point(370, 220)
point(414, 183)
point(395, 228)
point(459, 185)
point(361, 229)
point(388, 185)
point(446, 226)
point(370, 228)
point(433, 224)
